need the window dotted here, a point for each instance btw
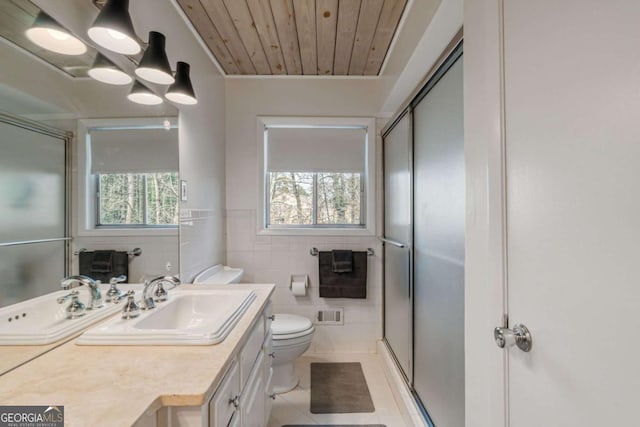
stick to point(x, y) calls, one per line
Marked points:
point(315, 176)
point(329, 199)
point(132, 177)
point(141, 199)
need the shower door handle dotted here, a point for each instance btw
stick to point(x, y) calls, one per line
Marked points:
point(393, 242)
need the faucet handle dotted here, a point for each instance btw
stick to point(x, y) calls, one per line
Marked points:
point(114, 291)
point(160, 294)
point(71, 294)
point(131, 309)
point(75, 308)
point(118, 279)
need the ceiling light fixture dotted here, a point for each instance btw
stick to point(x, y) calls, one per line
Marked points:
point(154, 65)
point(106, 71)
point(181, 91)
point(49, 35)
point(113, 28)
point(140, 94)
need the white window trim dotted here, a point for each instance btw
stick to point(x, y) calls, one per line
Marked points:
point(86, 183)
point(369, 123)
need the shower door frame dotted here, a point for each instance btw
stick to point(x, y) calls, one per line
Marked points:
point(66, 137)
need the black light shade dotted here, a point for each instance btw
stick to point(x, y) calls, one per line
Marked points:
point(113, 28)
point(154, 65)
point(182, 90)
point(106, 71)
point(48, 34)
point(140, 94)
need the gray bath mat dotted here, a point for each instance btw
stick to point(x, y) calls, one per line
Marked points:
point(339, 388)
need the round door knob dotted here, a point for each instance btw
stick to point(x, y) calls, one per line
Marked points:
point(518, 336)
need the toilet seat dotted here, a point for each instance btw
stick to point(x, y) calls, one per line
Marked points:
point(290, 326)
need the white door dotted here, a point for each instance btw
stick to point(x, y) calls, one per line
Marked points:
point(572, 139)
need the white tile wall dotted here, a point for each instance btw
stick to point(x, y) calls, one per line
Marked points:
point(273, 259)
point(201, 240)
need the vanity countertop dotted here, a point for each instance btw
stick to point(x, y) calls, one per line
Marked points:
point(12, 356)
point(116, 385)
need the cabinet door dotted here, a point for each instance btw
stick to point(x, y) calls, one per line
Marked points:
point(253, 397)
point(250, 351)
point(267, 346)
point(269, 395)
point(224, 402)
point(235, 421)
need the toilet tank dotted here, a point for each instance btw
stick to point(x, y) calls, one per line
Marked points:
point(218, 275)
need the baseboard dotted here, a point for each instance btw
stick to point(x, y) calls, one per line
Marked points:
point(406, 404)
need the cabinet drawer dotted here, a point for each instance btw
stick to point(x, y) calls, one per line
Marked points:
point(250, 351)
point(226, 398)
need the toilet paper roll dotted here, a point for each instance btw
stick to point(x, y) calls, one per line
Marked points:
point(299, 289)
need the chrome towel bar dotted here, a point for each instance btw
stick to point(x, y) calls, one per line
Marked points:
point(314, 251)
point(134, 252)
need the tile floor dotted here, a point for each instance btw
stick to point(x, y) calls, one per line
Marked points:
point(293, 407)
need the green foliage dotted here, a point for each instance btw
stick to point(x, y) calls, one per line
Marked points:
point(292, 198)
point(138, 199)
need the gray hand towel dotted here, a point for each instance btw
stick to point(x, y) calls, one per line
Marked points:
point(102, 261)
point(341, 261)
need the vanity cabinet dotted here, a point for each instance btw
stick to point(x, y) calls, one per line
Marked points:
point(242, 399)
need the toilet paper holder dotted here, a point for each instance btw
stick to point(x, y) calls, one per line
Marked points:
point(299, 278)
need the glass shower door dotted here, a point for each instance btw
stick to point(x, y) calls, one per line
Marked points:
point(397, 239)
point(439, 225)
point(33, 213)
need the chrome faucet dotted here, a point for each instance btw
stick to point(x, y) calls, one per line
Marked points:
point(160, 294)
point(95, 296)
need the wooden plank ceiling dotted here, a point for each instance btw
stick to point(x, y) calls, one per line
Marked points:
point(312, 37)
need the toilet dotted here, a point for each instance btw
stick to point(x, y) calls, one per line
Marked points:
point(291, 334)
point(291, 338)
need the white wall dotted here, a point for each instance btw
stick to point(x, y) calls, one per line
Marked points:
point(272, 259)
point(202, 165)
point(404, 72)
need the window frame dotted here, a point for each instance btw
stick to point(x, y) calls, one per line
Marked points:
point(367, 179)
point(86, 198)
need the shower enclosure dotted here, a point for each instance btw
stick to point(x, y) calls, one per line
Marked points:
point(424, 244)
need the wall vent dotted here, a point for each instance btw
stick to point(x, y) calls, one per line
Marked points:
point(330, 317)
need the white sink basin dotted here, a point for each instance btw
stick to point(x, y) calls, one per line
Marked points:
point(190, 317)
point(42, 320)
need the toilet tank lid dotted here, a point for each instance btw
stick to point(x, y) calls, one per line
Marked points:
point(289, 324)
point(218, 274)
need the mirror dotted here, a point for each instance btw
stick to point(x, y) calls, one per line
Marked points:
point(48, 210)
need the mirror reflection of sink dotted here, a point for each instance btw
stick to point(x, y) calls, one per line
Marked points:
point(190, 317)
point(42, 320)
